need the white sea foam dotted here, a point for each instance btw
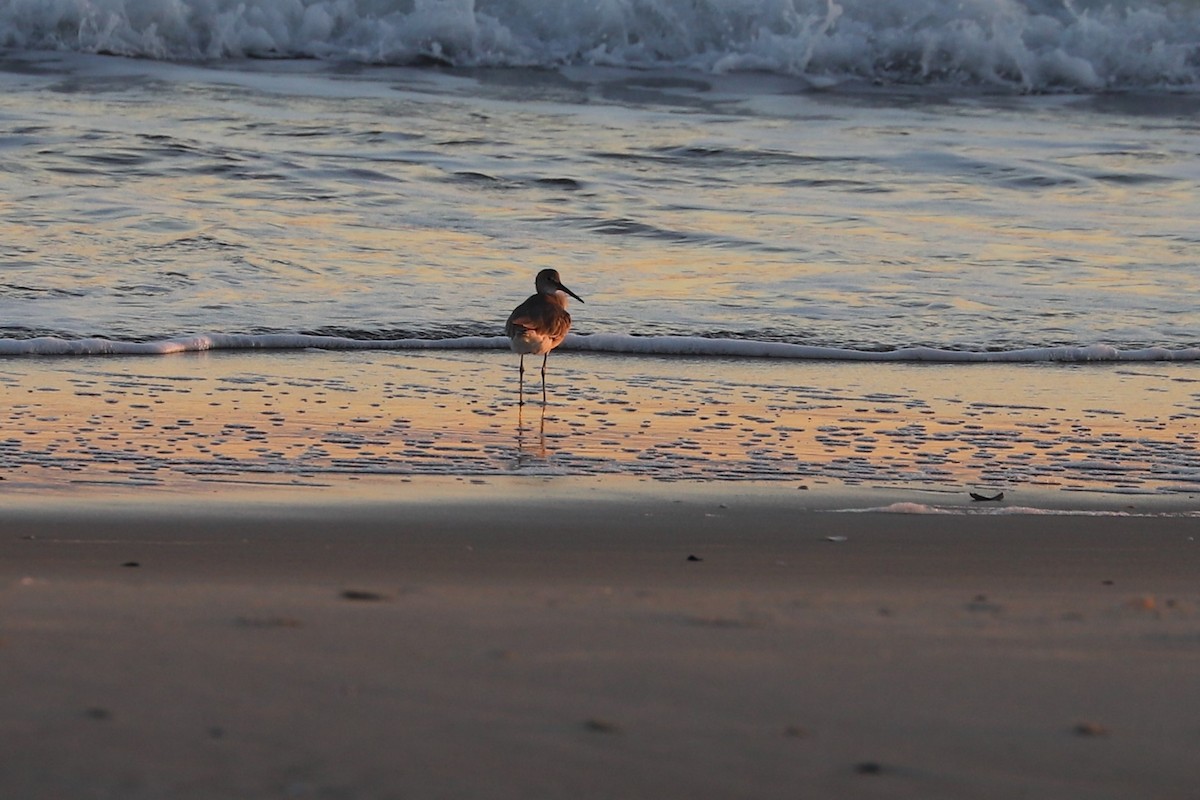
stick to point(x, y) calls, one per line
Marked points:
point(923, 508)
point(1027, 44)
point(696, 346)
point(903, 508)
point(55, 346)
point(701, 346)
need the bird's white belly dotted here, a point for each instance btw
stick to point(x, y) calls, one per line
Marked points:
point(533, 343)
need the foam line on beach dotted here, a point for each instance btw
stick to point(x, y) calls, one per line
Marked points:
point(694, 346)
point(702, 346)
point(908, 507)
point(56, 346)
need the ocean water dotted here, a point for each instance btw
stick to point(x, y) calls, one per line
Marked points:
point(867, 182)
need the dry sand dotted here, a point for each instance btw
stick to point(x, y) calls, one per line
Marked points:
point(673, 643)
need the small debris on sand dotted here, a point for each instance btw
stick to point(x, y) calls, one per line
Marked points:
point(597, 725)
point(980, 603)
point(362, 595)
point(694, 558)
point(1146, 603)
point(1090, 729)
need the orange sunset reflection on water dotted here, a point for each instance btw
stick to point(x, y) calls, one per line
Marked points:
point(307, 417)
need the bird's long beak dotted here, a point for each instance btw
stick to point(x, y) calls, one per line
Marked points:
point(568, 291)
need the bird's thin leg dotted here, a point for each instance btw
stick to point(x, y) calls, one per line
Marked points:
point(544, 378)
point(521, 381)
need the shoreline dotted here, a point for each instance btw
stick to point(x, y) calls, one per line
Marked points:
point(589, 515)
point(351, 495)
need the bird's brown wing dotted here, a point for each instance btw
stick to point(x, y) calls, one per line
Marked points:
point(538, 316)
point(555, 323)
point(520, 319)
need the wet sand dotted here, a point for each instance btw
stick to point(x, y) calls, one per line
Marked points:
point(539, 638)
point(304, 417)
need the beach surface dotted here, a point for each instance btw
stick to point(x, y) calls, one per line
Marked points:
point(544, 637)
point(328, 553)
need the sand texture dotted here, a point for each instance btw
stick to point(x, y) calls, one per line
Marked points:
point(588, 648)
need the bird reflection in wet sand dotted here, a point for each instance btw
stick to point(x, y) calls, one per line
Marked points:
point(539, 325)
point(531, 447)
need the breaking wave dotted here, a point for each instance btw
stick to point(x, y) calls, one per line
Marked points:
point(1027, 45)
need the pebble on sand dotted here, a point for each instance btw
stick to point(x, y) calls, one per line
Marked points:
point(362, 595)
point(1090, 729)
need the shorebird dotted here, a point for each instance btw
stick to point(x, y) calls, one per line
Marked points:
point(538, 325)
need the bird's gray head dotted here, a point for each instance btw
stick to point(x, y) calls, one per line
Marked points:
point(548, 282)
